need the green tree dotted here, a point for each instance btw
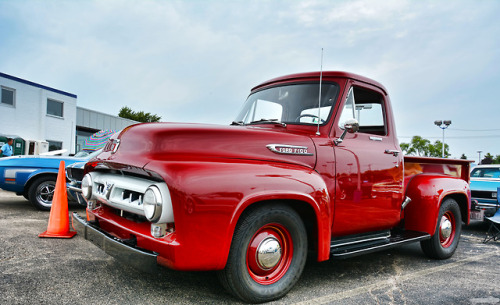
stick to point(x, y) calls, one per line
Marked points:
point(488, 159)
point(140, 116)
point(404, 147)
point(424, 148)
point(463, 157)
point(419, 146)
point(435, 150)
point(496, 160)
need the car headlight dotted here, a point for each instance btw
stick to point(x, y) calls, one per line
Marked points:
point(152, 203)
point(87, 186)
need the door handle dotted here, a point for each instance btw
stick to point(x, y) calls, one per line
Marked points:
point(394, 152)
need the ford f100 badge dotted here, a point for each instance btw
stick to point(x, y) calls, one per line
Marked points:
point(289, 149)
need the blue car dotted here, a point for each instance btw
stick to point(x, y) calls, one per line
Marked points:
point(34, 177)
point(74, 176)
point(484, 184)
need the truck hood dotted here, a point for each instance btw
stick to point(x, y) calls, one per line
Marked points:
point(142, 143)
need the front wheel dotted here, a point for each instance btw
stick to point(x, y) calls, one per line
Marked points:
point(444, 242)
point(41, 192)
point(267, 254)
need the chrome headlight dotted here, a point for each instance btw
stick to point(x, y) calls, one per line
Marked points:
point(87, 186)
point(152, 203)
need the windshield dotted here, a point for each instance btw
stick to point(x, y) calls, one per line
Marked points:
point(485, 172)
point(291, 104)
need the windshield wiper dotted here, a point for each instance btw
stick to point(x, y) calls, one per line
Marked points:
point(239, 123)
point(267, 121)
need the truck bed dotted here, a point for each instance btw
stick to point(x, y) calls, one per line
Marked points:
point(451, 167)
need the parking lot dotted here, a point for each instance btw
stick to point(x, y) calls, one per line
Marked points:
point(60, 271)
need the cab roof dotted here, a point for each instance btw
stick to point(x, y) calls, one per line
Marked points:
point(316, 75)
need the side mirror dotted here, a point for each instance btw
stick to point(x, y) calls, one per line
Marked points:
point(350, 126)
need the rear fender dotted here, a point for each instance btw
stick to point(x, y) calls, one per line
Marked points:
point(427, 191)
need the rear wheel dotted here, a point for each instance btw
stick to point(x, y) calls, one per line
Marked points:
point(267, 254)
point(447, 234)
point(41, 192)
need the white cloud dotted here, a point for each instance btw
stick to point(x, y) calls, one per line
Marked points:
point(196, 61)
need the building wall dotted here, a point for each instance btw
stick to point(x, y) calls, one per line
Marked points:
point(28, 117)
point(90, 121)
point(96, 120)
point(29, 120)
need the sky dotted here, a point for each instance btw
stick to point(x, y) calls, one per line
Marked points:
point(196, 61)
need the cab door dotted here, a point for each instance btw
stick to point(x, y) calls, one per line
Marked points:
point(369, 168)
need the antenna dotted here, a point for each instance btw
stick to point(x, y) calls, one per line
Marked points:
point(319, 98)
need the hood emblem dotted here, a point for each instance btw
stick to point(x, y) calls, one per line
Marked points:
point(289, 149)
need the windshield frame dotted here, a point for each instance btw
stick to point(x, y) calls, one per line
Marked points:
point(292, 83)
point(89, 155)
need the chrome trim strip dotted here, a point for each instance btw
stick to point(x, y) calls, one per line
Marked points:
point(361, 240)
point(380, 247)
point(11, 173)
point(286, 149)
point(405, 202)
point(376, 139)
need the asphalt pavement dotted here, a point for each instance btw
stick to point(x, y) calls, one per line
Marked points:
point(73, 271)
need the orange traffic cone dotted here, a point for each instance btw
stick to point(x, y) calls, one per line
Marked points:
point(59, 220)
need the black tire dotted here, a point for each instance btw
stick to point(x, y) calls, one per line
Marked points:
point(41, 192)
point(440, 245)
point(246, 278)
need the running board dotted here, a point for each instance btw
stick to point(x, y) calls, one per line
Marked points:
point(370, 245)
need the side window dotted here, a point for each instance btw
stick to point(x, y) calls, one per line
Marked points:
point(54, 145)
point(55, 108)
point(368, 108)
point(348, 110)
point(8, 97)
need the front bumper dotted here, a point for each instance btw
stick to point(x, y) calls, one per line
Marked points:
point(137, 258)
point(480, 208)
point(75, 194)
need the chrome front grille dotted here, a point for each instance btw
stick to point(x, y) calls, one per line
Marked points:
point(121, 192)
point(126, 193)
point(75, 174)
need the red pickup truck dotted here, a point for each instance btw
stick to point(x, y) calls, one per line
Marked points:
point(311, 166)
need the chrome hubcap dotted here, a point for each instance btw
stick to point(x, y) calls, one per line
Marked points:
point(45, 193)
point(268, 253)
point(445, 227)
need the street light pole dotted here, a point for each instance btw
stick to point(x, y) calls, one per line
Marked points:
point(443, 125)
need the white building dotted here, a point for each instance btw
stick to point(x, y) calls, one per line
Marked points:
point(41, 115)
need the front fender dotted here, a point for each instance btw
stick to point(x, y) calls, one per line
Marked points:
point(427, 191)
point(209, 197)
point(38, 173)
